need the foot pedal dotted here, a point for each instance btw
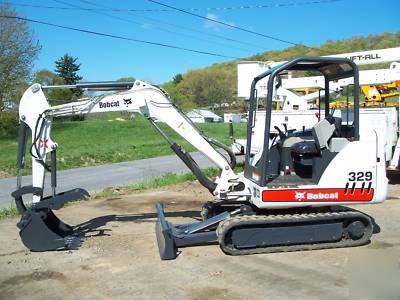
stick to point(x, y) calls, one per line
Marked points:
point(59, 200)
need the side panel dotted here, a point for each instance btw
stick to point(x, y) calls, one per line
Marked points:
point(356, 175)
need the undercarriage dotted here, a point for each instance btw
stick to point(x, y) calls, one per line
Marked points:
point(245, 230)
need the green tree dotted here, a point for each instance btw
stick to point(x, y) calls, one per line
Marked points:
point(209, 86)
point(128, 78)
point(67, 68)
point(177, 78)
point(47, 77)
point(177, 97)
point(18, 50)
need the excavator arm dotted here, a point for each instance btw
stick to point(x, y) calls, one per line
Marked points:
point(37, 114)
point(148, 100)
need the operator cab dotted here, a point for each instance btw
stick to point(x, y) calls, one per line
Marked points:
point(301, 157)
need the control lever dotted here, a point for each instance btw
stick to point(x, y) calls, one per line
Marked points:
point(285, 126)
point(282, 136)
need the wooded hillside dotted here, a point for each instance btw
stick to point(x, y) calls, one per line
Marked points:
point(218, 83)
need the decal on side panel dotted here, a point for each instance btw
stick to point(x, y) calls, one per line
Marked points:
point(363, 194)
point(127, 102)
point(44, 143)
point(107, 104)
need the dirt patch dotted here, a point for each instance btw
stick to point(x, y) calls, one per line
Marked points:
point(148, 200)
point(34, 276)
point(119, 257)
point(212, 293)
point(384, 245)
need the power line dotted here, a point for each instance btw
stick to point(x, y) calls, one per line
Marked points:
point(228, 25)
point(96, 12)
point(124, 19)
point(226, 8)
point(160, 29)
point(119, 37)
point(143, 17)
point(275, 5)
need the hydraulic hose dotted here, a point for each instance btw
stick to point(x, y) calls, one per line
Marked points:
point(232, 157)
point(192, 165)
point(188, 160)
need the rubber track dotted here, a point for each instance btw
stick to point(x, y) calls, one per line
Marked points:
point(243, 220)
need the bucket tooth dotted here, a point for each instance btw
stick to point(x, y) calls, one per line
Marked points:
point(72, 242)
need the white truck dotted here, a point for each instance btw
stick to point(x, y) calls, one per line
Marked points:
point(298, 114)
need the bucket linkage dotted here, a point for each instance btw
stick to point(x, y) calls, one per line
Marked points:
point(40, 228)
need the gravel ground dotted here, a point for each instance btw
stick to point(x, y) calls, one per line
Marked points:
point(119, 258)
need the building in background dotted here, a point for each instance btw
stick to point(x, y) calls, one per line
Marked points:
point(233, 118)
point(203, 116)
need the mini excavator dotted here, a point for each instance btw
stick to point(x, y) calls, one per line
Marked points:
point(290, 197)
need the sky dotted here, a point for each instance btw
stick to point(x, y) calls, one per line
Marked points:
point(106, 59)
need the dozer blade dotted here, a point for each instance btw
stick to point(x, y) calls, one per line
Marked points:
point(165, 239)
point(170, 237)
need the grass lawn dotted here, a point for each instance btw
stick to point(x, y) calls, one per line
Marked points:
point(107, 140)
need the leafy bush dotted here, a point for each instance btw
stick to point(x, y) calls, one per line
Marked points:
point(78, 118)
point(8, 124)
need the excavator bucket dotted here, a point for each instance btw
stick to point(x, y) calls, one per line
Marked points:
point(40, 232)
point(40, 228)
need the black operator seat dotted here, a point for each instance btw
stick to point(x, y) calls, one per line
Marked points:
point(322, 132)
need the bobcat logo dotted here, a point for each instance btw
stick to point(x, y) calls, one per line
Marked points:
point(300, 196)
point(127, 102)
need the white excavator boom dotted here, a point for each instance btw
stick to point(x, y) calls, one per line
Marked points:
point(143, 98)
